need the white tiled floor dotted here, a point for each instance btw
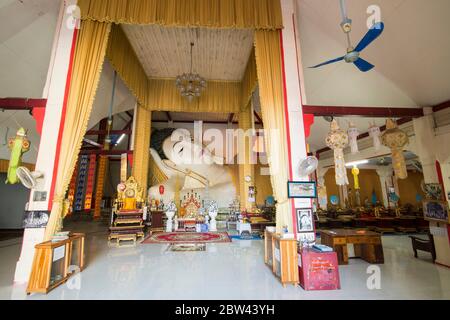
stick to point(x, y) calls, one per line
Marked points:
point(225, 271)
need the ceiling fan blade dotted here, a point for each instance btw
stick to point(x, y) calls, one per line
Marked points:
point(370, 36)
point(363, 65)
point(328, 62)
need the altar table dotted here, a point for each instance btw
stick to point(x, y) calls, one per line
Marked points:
point(367, 244)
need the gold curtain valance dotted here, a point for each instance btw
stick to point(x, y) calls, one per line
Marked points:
point(237, 14)
point(124, 60)
point(219, 97)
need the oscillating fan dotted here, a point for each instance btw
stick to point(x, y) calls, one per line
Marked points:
point(353, 54)
point(31, 180)
point(308, 166)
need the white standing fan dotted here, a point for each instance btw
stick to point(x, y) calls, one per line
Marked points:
point(308, 166)
point(31, 180)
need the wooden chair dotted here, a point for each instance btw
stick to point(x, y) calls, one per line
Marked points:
point(424, 245)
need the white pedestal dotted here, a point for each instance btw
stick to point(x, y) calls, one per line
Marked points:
point(169, 222)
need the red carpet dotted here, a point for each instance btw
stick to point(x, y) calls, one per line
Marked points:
point(187, 237)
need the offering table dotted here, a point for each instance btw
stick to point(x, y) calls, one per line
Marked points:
point(367, 244)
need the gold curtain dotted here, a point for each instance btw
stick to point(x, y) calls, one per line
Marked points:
point(124, 60)
point(157, 176)
point(250, 81)
point(269, 67)
point(88, 60)
point(220, 97)
point(141, 147)
point(238, 14)
point(245, 148)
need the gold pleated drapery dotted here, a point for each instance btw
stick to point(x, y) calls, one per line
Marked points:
point(122, 57)
point(237, 14)
point(245, 148)
point(220, 97)
point(87, 65)
point(141, 155)
point(270, 79)
point(249, 82)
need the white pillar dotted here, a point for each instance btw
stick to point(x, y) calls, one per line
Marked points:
point(293, 83)
point(54, 92)
point(427, 149)
point(385, 174)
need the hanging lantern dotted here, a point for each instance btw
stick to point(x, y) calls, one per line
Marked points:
point(353, 138)
point(355, 173)
point(396, 139)
point(374, 133)
point(161, 189)
point(337, 140)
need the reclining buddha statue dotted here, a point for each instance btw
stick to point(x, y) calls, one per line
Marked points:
point(188, 166)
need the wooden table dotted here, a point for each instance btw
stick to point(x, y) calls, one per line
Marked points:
point(367, 244)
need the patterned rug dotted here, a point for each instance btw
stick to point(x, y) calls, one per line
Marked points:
point(187, 237)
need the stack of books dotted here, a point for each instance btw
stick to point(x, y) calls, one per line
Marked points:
point(61, 236)
point(322, 248)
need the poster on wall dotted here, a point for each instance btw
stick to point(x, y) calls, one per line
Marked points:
point(302, 189)
point(35, 219)
point(305, 220)
point(434, 210)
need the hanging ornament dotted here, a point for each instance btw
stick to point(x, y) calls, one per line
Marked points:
point(18, 146)
point(374, 132)
point(396, 139)
point(337, 140)
point(353, 137)
point(355, 173)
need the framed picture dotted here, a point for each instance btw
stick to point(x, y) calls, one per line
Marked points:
point(305, 220)
point(302, 189)
point(434, 210)
point(35, 219)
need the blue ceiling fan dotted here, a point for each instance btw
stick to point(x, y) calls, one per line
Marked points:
point(353, 54)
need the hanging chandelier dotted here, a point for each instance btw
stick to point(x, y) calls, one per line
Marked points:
point(191, 85)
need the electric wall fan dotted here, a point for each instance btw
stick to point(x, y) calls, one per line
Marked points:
point(353, 54)
point(31, 180)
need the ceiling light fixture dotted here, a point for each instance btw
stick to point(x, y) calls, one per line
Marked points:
point(190, 85)
point(356, 163)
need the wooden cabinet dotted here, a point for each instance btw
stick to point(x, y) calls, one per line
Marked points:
point(157, 220)
point(282, 257)
point(55, 262)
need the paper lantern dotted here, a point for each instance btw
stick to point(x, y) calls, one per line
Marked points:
point(161, 189)
point(396, 139)
point(374, 133)
point(353, 137)
point(355, 173)
point(337, 140)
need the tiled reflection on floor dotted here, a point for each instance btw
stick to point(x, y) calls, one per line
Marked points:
point(224, 271)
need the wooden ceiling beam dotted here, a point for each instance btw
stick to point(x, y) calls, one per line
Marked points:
point(366, 112)
point(22, 103)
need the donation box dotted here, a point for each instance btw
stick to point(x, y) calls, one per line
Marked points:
point(318, 270)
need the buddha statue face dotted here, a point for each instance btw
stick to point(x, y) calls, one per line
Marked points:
point(181, 150)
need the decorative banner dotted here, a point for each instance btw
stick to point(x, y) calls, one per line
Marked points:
point(90, 182)
point(337, 140)
point(396, 139)
point(123, 167)
point(82, 173)
point(374, 133)
point(102, 167)
point(72, 189)
point(353, 138)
